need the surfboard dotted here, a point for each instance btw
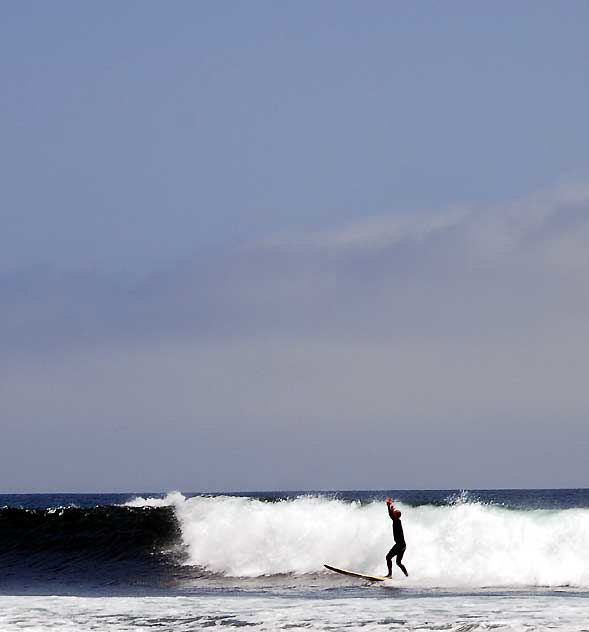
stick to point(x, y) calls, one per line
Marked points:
point(372, 578)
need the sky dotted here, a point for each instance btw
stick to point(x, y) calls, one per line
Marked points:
point(293, 246)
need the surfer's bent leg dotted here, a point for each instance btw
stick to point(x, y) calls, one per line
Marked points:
point(399, 558)
point(389, 558)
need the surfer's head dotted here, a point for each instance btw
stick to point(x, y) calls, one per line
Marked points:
point(396, 514)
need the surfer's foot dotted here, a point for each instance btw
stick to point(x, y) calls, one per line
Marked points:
point(388, 576)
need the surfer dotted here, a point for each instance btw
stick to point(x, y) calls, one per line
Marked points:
point(400, 546)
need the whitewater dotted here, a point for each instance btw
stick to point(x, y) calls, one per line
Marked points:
point(460, 545)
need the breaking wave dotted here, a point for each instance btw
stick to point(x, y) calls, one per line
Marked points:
point(462, 544)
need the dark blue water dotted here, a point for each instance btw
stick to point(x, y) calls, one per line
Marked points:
point(510, 498)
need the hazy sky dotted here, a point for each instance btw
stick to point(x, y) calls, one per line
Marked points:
point(296, 245)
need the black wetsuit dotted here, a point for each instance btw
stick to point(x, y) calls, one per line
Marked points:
point(400, 545)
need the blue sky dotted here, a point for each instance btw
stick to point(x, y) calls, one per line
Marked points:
point(244, 244)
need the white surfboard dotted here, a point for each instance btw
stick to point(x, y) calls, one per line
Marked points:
point(372, 578)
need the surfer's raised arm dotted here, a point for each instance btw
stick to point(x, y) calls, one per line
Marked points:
point(390, 507)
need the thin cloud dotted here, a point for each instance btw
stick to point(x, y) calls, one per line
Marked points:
point(382, 232)
point(499, 266)
point(493, 230)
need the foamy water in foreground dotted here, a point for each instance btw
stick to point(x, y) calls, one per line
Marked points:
point(455, 613)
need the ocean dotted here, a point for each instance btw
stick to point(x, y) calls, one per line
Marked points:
point(477, 560)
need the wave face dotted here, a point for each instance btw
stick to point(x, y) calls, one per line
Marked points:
point(101, 544)
point(463, 544)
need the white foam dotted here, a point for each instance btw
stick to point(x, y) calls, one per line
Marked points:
point(169, 500)
point(267, 614)
point(462, 545)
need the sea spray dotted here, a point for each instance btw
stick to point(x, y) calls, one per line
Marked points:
point(463, 544)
